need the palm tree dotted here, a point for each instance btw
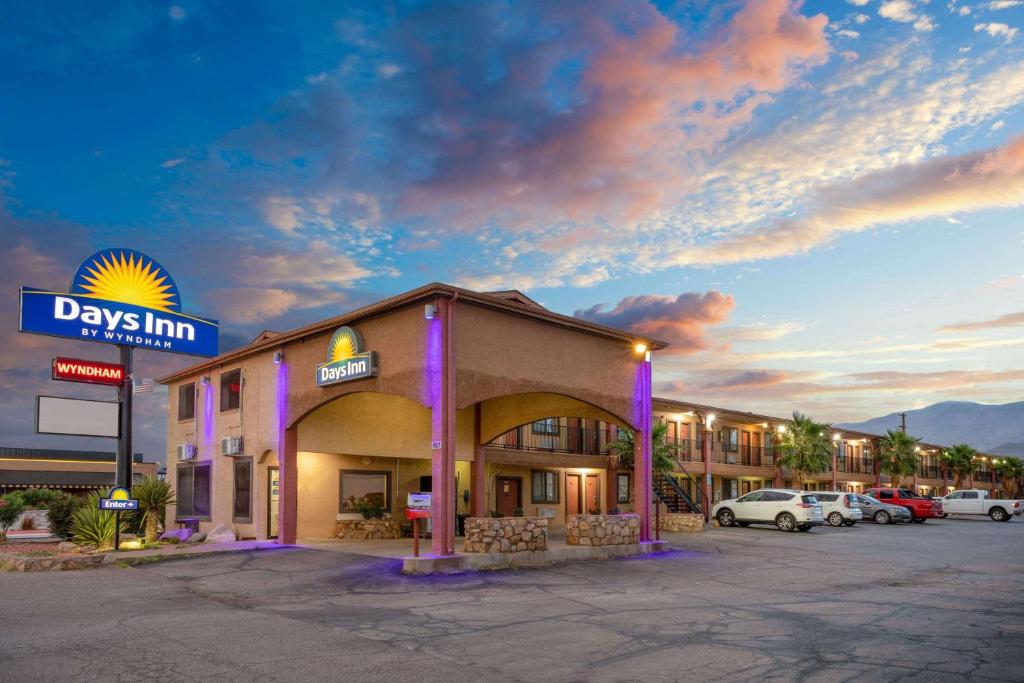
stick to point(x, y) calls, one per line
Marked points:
point(663, 457)
point(899, 455)
point(960, 461)
point(154, 495)
point(1012, 470)
point(806, 448)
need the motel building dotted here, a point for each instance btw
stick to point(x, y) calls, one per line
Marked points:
point(488, 401)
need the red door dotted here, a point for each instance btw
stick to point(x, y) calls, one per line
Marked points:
point(508, 495)
point(593, 497)
point(572, 494)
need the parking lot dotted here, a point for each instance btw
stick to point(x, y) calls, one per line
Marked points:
point(932, 602)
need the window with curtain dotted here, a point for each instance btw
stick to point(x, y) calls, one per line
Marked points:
point(187, 401)
point(545, 487)
point(358, 486)
point(231, 390)
point(622, 488)
point(193, 490)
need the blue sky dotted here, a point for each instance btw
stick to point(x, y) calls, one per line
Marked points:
point(818, 204)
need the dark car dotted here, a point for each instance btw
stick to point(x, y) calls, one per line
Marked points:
point(882, 513)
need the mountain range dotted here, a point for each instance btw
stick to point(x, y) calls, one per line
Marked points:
point(996, 429)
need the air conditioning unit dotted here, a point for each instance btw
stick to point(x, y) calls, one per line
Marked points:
point(186, 451)
point(231, 445)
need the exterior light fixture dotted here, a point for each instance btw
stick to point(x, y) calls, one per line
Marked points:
point(429, 310)
point(640, 348)
point(837, 436)
point(782, 429)
point(204, 380)
point(710, 418)
point(278, 357)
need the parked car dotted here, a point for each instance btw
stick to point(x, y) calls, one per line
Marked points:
point(882, 513)
point(839, 507)
point(977, 502)
point(920, 508)
point(787, 509)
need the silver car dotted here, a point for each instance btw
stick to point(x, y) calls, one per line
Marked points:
point(882, 513)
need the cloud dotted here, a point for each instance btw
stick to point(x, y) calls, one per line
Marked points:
point(898, 10)
point(1004, 4)
point(996, 30)
point(760, 332)
point(171, 163)
point(859, 3)
point(678, 320)
point(936, 188)
point(1002, 321)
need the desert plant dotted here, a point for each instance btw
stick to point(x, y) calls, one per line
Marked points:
point(960, 461)
point(1012, 470)
point(11, 507)
point(662, 452)
point(92, 526)
point(60, 510)
point(898, 456)
point(805, 448)
point(154, 495)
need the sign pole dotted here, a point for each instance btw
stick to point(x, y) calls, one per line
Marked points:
point(117, 530)
point(124, 440)
point(416, 537)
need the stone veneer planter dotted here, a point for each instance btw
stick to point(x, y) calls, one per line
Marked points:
point(505, 534)
point(602, 529)
point(368, 529)
point(682, 522)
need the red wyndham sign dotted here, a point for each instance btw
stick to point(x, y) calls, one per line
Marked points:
point(88, 371)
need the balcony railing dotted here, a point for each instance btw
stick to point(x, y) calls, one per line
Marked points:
point(848, 465)
point(559, 439)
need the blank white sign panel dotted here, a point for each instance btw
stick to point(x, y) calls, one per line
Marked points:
point(75, 416)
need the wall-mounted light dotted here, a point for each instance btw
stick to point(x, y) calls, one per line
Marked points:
point(640, 348)
point(837, 436)
point(429, 311)
point(204, 380)
point(709, 419)
point(782, 429)
point(278, 357)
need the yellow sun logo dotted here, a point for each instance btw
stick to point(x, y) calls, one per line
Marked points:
point(344, 344)
point(128, 277)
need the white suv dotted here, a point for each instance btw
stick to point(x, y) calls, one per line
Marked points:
point(787, 509)
point(839, 507)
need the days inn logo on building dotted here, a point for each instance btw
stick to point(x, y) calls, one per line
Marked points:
point(346, 359)
point(119, 296)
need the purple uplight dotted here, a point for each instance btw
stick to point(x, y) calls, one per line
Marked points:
point(208, 414)
point(281, 399)
point(433, 367)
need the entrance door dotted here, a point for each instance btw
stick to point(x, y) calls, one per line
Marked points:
point(593, 493)
point(273, 495)
point(509, 495)
point(572, 494)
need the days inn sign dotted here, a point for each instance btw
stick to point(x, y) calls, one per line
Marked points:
point(119, 296)
point(346, 359)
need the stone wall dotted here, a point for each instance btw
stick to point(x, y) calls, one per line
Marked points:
point(682, 522)
point(602, 529)
point(368, 529)
point(505, 534)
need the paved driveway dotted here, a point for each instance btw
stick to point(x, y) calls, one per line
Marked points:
point(935, 602)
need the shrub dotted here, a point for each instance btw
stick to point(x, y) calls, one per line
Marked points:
point(39, 498)
point(28, 523)
point(369, 508)
point(518, 512)
point(92, 526)
point(11, 507)
point(495, 514)
point(62, 506)
point(154, 495)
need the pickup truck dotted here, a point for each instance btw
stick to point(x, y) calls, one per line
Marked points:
point(977, 502)
point(920, 508)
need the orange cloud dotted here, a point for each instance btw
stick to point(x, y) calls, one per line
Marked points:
point(1007, 320)
point(680, 320)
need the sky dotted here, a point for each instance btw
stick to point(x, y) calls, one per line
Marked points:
point(817, 204)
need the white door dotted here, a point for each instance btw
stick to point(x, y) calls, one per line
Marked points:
point(971, 503)
point(749, 507)
point(953, 503)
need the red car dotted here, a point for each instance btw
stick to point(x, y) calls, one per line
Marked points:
point(920, 508)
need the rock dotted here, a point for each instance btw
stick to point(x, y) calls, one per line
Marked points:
point(221, 533)
point(180, 534)
point(66, 547)
point(196, 538)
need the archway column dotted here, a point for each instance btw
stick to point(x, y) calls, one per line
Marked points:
point(442, 427)
point(478, 471)
point(643, 482)
point(288, 483)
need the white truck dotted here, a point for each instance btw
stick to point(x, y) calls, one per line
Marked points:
point(977, 502)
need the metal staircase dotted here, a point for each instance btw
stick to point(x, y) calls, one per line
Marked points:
point(670, 492)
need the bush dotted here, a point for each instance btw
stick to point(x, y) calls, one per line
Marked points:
point(28, 523)
point(39, 498)
point(92, 526)
point(518, 512)
point(11, 507)
point(154, 495)
point(370, 508)
point(61, 508)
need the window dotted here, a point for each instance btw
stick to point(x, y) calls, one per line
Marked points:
point(242, 511)
point(193, 491)
point(970, 495)
point(730, 438)
point(776, 496)
point(885, 495)
point(828, 497)
point(622, 488)
point(187, 401)
point(548, 425)
point(907, 493)
point(231, 390)
point(755, 497)
point(358, 486)
point(956, 495)
point(809, 500)
point(545, 487)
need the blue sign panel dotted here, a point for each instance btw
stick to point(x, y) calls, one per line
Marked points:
point(118, 499)
point(119, 296)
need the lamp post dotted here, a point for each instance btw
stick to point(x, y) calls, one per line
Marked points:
point(836, 445)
